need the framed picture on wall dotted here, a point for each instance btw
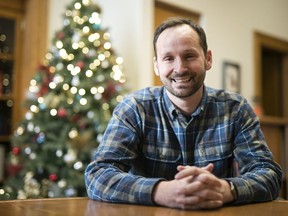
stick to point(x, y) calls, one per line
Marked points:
point(231, 77)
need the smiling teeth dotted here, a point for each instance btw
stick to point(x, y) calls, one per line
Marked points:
point(182, 80)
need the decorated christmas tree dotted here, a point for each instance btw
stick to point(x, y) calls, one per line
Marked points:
point(69, 103)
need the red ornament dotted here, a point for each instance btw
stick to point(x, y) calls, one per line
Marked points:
point(15, 150)
point(62, 112)
point(80, 64)
point(60, 35)
point(53, 177)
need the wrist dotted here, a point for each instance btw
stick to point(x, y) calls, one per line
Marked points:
point(233, 191)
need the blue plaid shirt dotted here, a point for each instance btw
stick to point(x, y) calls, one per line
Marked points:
point(148, 137)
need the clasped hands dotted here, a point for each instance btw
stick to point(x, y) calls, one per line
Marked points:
point(193, 188)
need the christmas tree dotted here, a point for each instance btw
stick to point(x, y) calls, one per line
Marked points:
point(69, 103)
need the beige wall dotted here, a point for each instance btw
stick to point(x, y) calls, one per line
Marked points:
point(229, 26)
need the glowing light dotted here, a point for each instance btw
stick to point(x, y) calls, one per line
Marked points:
point(89, 73)
point(97, 43)
point(63, 53)
point(94, 37)
point(93, 90)
point(75, 46)
point(82, 92)
point(28, 116)
point(119, 60)
point(33, 156)
point(59, 153)
point(40, 100)
point(70, 101)
point(107, 45)
point(83, 101)
point(101, 89)
point(86, 29)
point(107, 54)
point(98, 96)
point(59, 66)
point(58, 79)
point(52, 85)
point(20, 130)
point(85, 50)
point(59, 44)
point(73, 133)
point(85, 2)
point(52, 69)
point(106, 36)
point(73, 90)
point(117, 73)
point(34, 109)
point(48, 56)
point(90, 114)
point(97, 62)
point(105, 64)
point(68, 13)
point(30, 126)
point(92, 66)
point(105, 106)
point(81, 44)
point(95, 18)
point(77, 5)
point(80, 21)
point(70, 67)
point(53, 112)
point(75, 71)
point(70, 57)
point(78, 165)
point(65, 87)
point(101, 57)
point(119, 98)
point(33, 82)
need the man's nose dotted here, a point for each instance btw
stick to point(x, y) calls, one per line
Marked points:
point(180, 65)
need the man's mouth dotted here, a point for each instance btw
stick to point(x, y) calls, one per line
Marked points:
point(181, 80)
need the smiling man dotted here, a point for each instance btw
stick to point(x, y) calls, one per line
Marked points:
point(177, 145)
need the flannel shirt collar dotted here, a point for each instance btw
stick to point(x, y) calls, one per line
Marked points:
point(174, 112)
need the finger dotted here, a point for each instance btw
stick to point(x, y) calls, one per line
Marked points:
point(209, 194)
point(196, 202)
point(202, 190)
point(209, 180)
point(209, 167)
point(189, 171)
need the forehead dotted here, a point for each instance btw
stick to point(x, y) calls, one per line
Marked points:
point(176, 34)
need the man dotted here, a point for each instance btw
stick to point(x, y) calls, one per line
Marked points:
point(177, 145)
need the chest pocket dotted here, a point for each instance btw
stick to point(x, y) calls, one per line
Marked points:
point(221, 155)
point(162, 153)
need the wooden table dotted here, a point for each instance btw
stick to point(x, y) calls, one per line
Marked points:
point(86, 207)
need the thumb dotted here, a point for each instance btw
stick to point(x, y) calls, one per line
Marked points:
point(209, 167)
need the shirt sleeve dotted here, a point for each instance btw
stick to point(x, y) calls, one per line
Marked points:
point(107, 177)
point(259, 176)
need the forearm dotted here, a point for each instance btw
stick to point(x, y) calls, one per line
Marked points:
point(111, 185)
point(260, 188)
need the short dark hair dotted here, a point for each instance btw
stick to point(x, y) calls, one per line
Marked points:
point(176, 21)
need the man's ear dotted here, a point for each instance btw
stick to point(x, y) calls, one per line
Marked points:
point(208, 63)
point(155, 66)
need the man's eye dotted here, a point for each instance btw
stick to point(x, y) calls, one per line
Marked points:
point(190, 56)
point(168, 59)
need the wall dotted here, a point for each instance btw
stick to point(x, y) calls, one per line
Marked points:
point(229, 26)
